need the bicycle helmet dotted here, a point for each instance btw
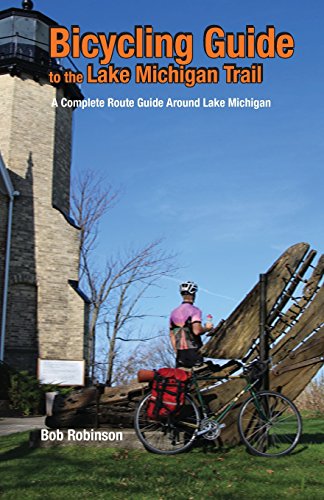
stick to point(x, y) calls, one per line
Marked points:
point(188, 288)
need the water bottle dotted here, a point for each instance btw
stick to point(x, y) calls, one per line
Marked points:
point(209, 321)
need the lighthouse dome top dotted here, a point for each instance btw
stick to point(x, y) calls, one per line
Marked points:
point(25, 38)
point(24, 44)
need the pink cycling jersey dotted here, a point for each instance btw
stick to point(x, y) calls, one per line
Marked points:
point(180, 322)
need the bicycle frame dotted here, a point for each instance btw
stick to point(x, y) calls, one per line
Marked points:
point(268, 423)
point(219, 417)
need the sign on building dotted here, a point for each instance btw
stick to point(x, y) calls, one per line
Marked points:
point(61, 372)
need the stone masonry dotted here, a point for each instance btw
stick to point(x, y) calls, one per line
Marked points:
point(46, 316)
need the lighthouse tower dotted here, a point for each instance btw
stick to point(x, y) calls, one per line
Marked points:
point(43, 312)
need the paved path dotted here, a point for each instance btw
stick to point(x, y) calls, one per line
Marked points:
point(10, 425)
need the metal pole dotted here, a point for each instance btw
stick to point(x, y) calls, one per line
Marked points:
point(11, 194)
point(6, 280)
point(264, 341)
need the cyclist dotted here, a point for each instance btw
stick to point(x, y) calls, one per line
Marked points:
point(186, 328)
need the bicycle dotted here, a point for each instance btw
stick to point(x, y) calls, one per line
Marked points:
point(269, 423)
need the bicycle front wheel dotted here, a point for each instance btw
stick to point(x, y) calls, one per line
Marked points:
point(269, 424)
point(169, 436)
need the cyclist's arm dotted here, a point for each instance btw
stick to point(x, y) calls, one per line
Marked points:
point(173, 340)
point(198, 329)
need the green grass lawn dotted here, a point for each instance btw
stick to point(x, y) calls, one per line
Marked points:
point(90, 472)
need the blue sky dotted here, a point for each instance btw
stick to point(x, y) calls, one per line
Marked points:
point(228, 189)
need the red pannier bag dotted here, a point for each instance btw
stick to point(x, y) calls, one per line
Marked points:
point(169, 387)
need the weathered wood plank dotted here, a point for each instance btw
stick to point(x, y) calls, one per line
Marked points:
point(291, 384)
point(285, 297)
point(297, 309)
point(237, 333)
point(315, 278)
point(75, 400)
point(312, 318)
point(310, 349)
point(122, 393)
point(224, 393)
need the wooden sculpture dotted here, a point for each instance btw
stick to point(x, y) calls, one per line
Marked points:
point(294, 328)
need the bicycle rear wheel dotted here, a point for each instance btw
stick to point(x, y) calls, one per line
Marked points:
point(169, 436)
point(269, 424)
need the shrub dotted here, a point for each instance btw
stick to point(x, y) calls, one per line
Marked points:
point(27, 394)
point(5, 380)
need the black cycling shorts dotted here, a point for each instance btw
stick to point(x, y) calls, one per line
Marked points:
point(188, 358)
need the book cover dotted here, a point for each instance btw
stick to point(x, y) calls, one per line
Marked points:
point(144, 146)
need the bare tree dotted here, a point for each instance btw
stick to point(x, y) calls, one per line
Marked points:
point(161, 352)
point(116, 290)
point(152, 354)
point(127, 281)
point(312, 398)
point(91, 199)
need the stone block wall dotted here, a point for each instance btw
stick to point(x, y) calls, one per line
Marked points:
point(45, 316)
